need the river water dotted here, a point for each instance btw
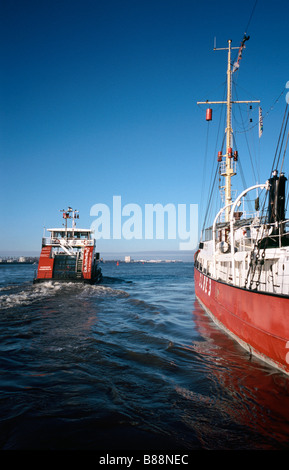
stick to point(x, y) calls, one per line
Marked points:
point(133, 363)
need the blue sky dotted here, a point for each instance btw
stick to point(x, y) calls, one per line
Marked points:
point(98, 99)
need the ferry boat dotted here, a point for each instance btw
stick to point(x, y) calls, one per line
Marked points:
point(241, 266)
point(69, 254)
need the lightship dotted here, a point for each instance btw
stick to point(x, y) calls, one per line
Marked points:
point(241, 267)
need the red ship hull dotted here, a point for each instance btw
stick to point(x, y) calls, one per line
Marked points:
point(258, 321)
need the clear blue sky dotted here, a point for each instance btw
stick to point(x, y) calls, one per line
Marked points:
point(98, 99)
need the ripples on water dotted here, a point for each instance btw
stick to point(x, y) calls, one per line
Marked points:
point(133, 363)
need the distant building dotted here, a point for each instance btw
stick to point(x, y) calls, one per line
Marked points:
point(127, 259)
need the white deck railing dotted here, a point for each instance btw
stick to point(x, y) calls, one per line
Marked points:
point(71, 242)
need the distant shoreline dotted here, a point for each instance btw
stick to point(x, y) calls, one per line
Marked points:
point(141, 261)
point(135, 256)
point(12, 263)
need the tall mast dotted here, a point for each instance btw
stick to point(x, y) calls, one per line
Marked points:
point(228, 172)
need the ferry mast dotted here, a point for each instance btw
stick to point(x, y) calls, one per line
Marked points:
point(66, 215)
point(228, 171)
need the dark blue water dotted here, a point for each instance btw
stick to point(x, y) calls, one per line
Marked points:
point(133, 363)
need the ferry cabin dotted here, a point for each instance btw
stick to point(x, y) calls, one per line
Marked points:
point(69, 254)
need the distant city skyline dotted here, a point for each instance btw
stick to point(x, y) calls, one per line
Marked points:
point(185, 256)
point(100, 99)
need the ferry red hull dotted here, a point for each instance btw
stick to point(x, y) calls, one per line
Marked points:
point(90, 273)
point(258, 321)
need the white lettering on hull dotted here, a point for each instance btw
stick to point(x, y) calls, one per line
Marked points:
point(205, 283)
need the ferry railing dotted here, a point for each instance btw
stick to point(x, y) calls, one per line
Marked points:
point(69, 241)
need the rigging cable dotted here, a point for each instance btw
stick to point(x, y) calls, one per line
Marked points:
point(213, 176)
point(282, 140)
point(263, 115)
point(255, 256)
point(211, 191)
point(245, 185)
point(284, 153)
point(209, 202)
point(254, 261)
point(281, 130)
point(245, 38)
point(246, 139)
point(246, 29)
point(286, 197)
point(205, 164)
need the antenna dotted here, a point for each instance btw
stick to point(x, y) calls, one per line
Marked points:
point(67, 215)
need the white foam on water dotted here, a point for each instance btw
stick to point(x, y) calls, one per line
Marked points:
point(48, 289)
point(28, 295)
